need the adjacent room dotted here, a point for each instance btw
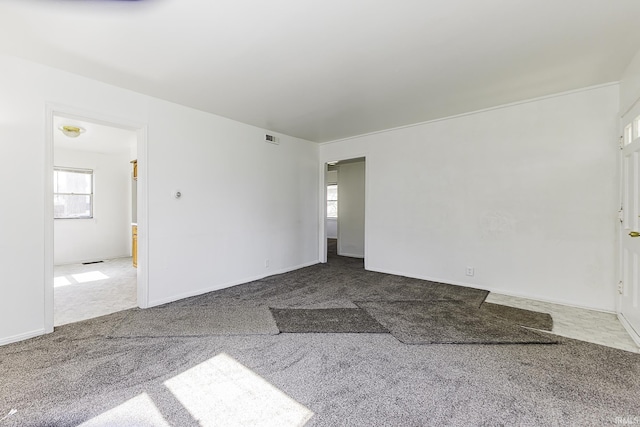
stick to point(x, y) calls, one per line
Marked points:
point(342, 213)
point(95, 198)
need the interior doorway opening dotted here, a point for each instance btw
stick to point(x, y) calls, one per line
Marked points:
point(345, 208)
point(94, 206)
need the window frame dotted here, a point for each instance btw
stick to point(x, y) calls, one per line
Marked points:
point(91, 174)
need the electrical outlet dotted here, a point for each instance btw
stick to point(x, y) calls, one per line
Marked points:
point(266, 263)
point(470, 271)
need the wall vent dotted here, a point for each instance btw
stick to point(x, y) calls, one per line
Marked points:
point(271, 139)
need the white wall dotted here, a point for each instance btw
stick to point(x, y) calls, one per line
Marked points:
point(630, 84)
point(332, 228)
point(108, 234)
point(525, 194)
point(244, 201)
point(351, 209)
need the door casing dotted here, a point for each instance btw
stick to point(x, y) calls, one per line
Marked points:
point(629, 247)
point(142, 201)
point(322, 229)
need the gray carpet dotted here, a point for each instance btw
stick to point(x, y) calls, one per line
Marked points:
point(519, 316)
point(170, 321)
point(335, 285)
point(76, 374)
point(447, 322)
point(330, 320)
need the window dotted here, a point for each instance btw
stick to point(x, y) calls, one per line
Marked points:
point(628, 134)
point(332, 201)
point(72, 193)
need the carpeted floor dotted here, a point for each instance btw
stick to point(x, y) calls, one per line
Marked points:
point(448, 322)
point(170, 321)
point(326, 320)
point(519, 316)
point(79, 375)
point(84, 291)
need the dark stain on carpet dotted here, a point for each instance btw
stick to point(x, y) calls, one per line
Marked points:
point(328, 320)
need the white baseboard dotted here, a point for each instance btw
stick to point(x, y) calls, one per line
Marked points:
point(431, 279)
point(21, 337)
point(632, 332)
point(227, 285)
point(525, 295)
point(352, 255)
point(550, 300)
point(91, 260)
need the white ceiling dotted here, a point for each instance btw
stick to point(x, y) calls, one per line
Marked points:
point(324, 70)
point(97, 138)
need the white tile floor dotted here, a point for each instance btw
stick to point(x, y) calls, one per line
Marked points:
point(85, 291)
point(577, 323)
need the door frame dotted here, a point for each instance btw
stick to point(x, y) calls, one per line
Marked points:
point(635, 335)
point(322, 229)
point(52, 110)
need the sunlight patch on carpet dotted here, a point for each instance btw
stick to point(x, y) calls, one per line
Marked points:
point(91, 276)
point(138, 411)
point(221, 391)
point(61, 281)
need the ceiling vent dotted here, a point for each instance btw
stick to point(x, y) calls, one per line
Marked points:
point(271, 139)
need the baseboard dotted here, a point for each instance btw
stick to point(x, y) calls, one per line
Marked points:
point(352, 255)
point(550, 300)
point(91, 260)
point(498, 291)
point(228, 284)
point(21, 337)
point(429, 278)
point(632, 332)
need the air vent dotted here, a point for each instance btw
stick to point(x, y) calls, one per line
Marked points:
point(271, 139)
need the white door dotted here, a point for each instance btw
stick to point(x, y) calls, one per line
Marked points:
point(629, 288)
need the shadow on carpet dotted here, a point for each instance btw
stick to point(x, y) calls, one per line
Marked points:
point(175, 321)
point(328, 320)
point(447, 322)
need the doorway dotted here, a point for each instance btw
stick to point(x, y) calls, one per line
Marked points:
point(629, 281)
point(91, 206)
point(344, 220)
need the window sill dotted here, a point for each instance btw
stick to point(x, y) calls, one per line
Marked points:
point(73, 218)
